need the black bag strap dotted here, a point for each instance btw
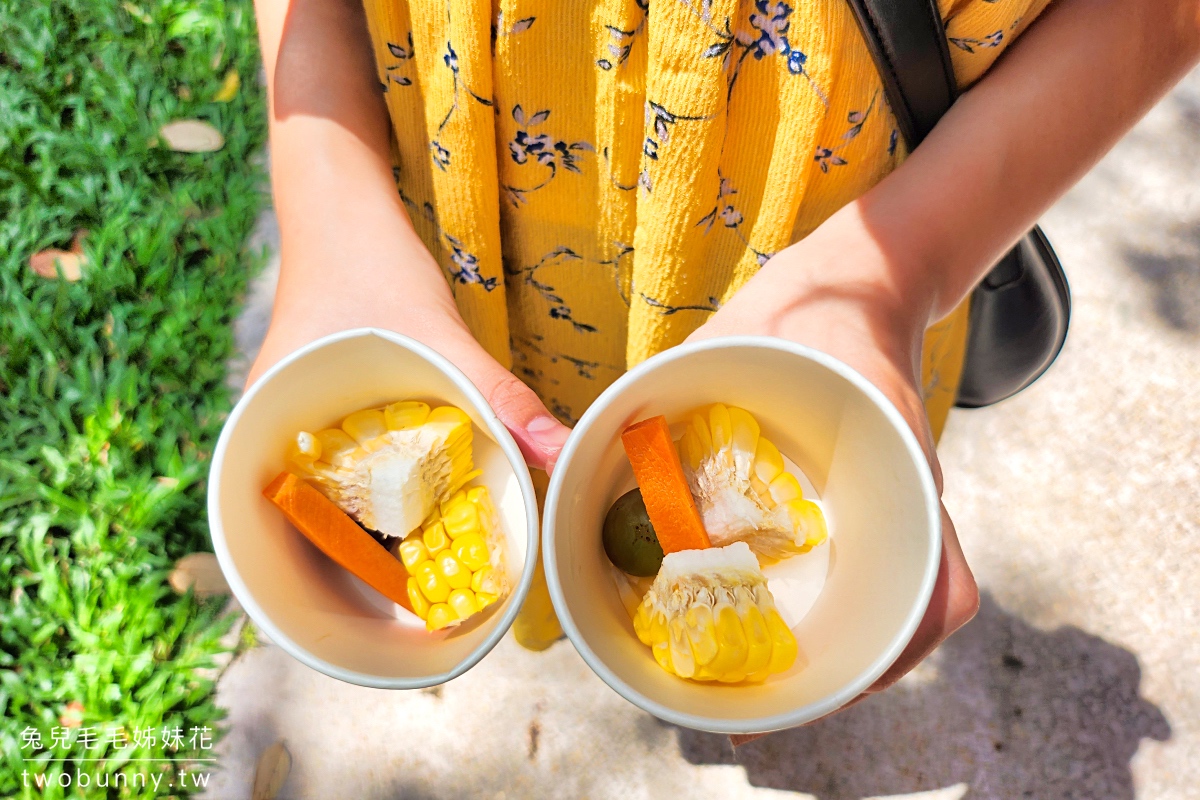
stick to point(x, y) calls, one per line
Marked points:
point(1021, 310)
point(908, 43)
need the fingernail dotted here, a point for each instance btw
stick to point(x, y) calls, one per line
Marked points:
point(548, 432)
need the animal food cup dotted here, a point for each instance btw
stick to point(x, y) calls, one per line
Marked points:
point(314, 609)
point(861, 460)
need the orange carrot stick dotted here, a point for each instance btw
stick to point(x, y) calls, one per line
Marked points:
point(659, 474)
point(339, 537)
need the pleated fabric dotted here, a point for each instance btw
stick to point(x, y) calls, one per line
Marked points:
point(597, 177)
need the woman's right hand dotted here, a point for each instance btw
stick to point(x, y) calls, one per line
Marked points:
point(312, 303)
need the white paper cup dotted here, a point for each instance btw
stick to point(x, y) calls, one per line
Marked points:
point(306, 603)
point(875, 486)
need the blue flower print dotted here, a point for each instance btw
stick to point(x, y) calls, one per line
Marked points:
point(468, 266)
point(403, 54)
point(763, 33)
point(500, 27)
point(771, 22)
point(796, 61)
point(621, 44)
point(730, 216)
point(666, 309)
point(826, 158)
point(441, 156)
point(726, 211)
point(968, 44)
point(524, 146)
point(544, 149)
point(658, 122)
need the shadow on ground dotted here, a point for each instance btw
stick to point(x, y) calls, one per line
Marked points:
point(1171, 267)
point(1009, 710)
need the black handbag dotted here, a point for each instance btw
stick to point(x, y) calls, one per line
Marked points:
point(1020, 311)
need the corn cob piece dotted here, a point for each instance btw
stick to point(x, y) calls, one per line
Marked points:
point(389, 468)
point(743, 493)
point(456, 561)
point(710, 617)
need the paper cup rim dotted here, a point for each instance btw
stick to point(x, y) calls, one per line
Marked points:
point(503, 438)
point(811, 711)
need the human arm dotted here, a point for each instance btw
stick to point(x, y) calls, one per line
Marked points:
point(865, 284)
point(350, 255)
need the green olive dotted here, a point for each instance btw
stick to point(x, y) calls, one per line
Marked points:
point(629, 538)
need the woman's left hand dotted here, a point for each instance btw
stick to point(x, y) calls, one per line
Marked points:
point(838, 292)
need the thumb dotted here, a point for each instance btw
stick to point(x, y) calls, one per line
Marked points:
point(538, 433)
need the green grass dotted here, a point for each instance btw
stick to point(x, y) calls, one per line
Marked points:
point(111, 389)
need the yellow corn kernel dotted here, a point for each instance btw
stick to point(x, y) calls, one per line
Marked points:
point(689, 449)
point(412, 552)
point(768, 461)
point(432, 584)
point(702, 633)
point(641, 625)
point(440, 615)
point(662, 654)
point(807, 517)
point(454, 418)
point(480, 579)
point(485, 599)
point(337, 448)
point(456, 575)
point(420, 604)
point(460, 516)
point(683, 662)
point(758, 640)
point(435, 539)
point(785, 649)
point(463, 602)
point(471, 550)
point(305, 447)
point(744, 440)
point(703, 437)
point(720, 426)
point(405, 415)
point(365, 426)
point(785, 487)
point(731, 643)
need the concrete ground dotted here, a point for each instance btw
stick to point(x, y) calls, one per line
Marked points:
point(1078, 504)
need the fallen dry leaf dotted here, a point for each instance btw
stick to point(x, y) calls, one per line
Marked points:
point(191, 136)
point(137, 13)
point(273, 767)
point(43, 263)
point(72, 715)
point(199, 572)
point(72, 261)
point(229, 87)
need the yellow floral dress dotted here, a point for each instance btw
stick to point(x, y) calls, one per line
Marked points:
point(597, 177)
